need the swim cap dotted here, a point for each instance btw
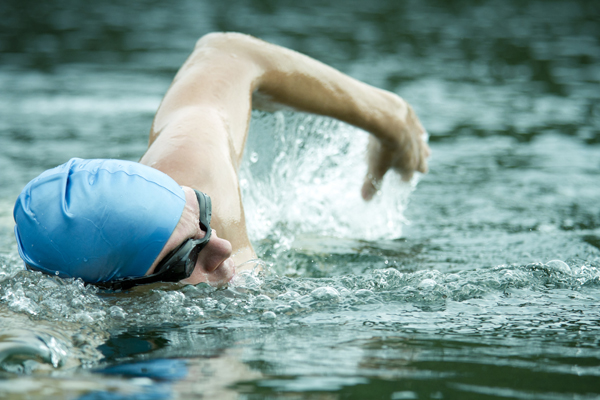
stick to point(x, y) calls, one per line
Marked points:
point(97, 220)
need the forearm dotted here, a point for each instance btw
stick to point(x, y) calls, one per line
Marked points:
point(306, 84)
point(293, 79)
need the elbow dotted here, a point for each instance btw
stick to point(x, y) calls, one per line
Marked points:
point(232, 48)
point(222, 40)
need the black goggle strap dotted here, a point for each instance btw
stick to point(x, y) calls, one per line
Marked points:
point(173, 268)
point(205, 212)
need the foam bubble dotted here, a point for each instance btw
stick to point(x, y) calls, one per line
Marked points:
point(268, 316)
point(325, 293)
point(559, 266)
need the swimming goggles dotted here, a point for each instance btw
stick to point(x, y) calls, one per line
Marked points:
point(179, 263)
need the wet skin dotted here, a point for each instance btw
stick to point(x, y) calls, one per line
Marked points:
point(214, 264)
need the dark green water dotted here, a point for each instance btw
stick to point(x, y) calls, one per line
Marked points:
point(479, 281)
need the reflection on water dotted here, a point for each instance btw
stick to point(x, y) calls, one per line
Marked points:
point(450, 288)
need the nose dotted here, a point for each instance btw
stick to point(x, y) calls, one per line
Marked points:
point(223, 244)
point(216, 251)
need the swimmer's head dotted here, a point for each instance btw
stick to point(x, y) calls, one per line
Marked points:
point(98, 220)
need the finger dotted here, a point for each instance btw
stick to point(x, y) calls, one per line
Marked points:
point(406, 175)
point(368, 189)
point(373, 181)
point(379, 161)
point(371, 185)
point(422, 167)
point(425, 153)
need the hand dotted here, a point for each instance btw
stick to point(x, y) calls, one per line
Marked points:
point(404, 150)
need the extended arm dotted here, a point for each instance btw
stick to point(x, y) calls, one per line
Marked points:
point(226, 69)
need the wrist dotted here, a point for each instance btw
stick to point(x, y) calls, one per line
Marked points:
point(390, 117)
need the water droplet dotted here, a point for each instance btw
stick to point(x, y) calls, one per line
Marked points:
point(254, 157)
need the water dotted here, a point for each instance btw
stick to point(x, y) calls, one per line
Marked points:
point(479, 280)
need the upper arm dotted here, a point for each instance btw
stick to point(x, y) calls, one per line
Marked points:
point(218, 75)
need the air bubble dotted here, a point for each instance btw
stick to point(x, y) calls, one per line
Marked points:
point(268, 316)
point(288, 296)
point(325, 293)
point(263, 299)
point(295, 304)
point(559, 266)
point(193, 312)
point(283, 309)
point(117, 312)
point(427, 284)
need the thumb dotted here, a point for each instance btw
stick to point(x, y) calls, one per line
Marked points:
point(369, 187)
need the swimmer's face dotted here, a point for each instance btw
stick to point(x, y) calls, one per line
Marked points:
point(214, 264)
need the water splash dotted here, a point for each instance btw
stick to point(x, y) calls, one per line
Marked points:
point(304, 175)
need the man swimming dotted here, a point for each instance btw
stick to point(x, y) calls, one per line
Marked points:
point(177, 215)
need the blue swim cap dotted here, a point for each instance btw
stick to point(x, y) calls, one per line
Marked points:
point(97, 220)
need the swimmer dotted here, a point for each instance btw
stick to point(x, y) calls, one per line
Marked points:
point(177, 214)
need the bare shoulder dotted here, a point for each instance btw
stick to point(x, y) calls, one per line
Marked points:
point(218, 78)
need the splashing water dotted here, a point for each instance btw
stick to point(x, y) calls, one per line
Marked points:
point(73, 320)
point(304, 175)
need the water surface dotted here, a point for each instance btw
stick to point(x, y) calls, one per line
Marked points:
point(478, 280)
